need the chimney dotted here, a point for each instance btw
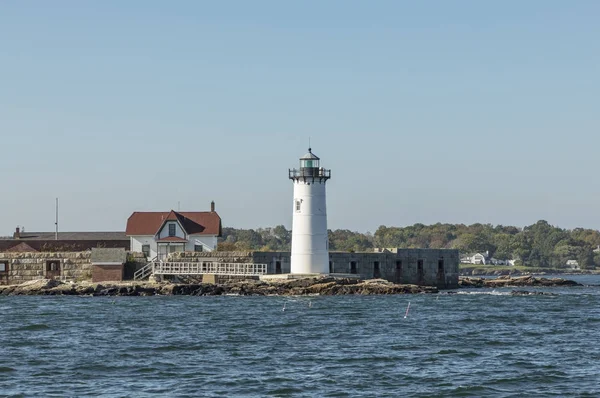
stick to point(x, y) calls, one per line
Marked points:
point(212, 206)
point(17, 234)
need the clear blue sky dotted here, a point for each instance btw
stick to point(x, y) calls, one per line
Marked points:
point(428, 111)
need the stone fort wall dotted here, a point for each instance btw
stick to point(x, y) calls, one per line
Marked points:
point(17, 268)
point(430, 267)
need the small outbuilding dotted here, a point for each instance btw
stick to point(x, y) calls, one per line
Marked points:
point(108, 264)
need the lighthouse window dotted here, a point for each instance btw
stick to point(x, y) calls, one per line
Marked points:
point(297, 205)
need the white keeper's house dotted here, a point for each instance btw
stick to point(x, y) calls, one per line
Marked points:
point(156, 234)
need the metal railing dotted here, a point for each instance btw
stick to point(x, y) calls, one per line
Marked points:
point(309, 172)
point(198, 268)
point(145, 271)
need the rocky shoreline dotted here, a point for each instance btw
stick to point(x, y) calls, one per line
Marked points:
point(324, 286)
point(516, 272)
point(508, 281)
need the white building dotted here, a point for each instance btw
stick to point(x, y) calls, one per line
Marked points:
point(483, 258)
point(573, 264)
point(310, 243)
point(158, 233)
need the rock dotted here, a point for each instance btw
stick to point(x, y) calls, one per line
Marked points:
point(508, 281)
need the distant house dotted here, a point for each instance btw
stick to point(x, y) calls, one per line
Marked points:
point(484, 258)
point(573, 264)
point(476, 258)
point(156, 234)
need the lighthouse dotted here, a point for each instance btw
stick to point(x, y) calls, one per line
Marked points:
point(310, 244)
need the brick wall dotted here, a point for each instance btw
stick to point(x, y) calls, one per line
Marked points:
point(101, 273)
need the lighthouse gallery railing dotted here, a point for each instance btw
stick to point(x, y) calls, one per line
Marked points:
point(315, 172)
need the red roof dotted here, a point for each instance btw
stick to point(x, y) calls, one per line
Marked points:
point(21, 248)
point(193, 222)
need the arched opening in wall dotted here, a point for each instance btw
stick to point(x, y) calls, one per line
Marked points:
point(398, 271)
point(353, 267)
point(4, 272)
point(278, 267)
point(420, 276)
point(52, 269)
point(376, 271)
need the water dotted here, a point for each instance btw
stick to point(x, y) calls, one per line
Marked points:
point(476, 343)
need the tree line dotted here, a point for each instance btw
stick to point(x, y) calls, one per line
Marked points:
point(536, 245)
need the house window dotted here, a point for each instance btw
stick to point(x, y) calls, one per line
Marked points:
point(146, 250)
point(172, 229)
point(197, 248)
point(175, 248)
point(298, 203)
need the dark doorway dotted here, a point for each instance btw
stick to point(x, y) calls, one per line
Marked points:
point(353, 267)
point(420, 276)
point(278, 267)
point(331, 267)
point(398, 271)
point(441, 275)
point(3, 272)
point(376, 271)
point(52, 269)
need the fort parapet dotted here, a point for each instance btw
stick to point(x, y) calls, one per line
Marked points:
point(425, 267)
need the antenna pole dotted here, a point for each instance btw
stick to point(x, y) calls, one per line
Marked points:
point(56, 222)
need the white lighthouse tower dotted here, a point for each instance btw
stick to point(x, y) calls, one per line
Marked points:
point(310, 244)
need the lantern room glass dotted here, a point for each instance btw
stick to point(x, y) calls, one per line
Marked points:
point(309, 163)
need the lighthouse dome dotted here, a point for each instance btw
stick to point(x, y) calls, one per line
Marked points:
point(309, 156)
